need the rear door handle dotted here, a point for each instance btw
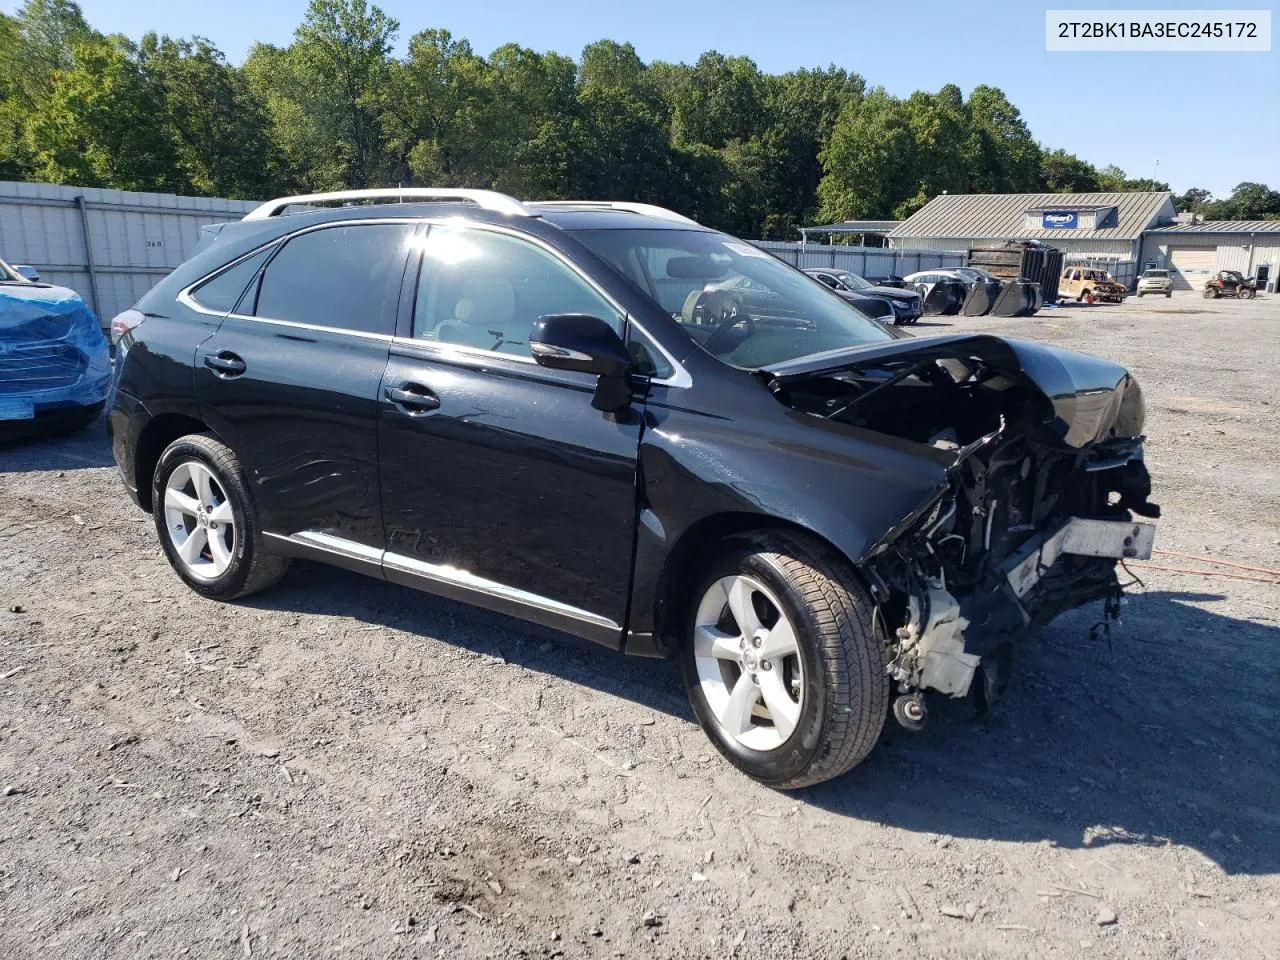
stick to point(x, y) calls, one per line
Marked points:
point(413, 398)
point(225, 363)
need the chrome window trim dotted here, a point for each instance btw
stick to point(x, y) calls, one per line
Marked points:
point(680, 378)
point(438, 573)
point(186, 298)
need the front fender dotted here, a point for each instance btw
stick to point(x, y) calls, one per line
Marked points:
point(847, 486)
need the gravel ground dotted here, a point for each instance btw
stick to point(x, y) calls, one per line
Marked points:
point(341, 767)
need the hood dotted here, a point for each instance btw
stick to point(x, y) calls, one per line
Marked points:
point(1088, 399)
point(889, 293)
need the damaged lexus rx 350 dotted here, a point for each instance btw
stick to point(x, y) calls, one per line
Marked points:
point(607, 419)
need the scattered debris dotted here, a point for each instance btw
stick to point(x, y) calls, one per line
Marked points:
point(1012, 926)
point(432, 934)
point(699, 878)
point(495, 886)
point(1083, 893)
point(954, 912)
point(263, 750)
point(19, 608)
point(651, 920)
point(1105, 916)
point(12, 673)
point(595, 932)
point(12, 790)
point(632, 858)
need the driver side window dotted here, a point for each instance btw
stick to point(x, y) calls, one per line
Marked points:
point(486, 290)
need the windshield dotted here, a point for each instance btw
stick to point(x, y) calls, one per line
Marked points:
point(737, 302)
point(854, 282)
point(1156, 273)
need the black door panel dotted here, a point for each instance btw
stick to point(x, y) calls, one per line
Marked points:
point(513, 479)
point(301, 418)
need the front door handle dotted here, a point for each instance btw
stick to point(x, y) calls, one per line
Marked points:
point(413, 398)
point(225, 363)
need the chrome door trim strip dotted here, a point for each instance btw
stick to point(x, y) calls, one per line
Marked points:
point(325, 543)
point(453, 576)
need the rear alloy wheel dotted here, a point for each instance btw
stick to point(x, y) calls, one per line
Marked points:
point(781, 661)
point(207, 521)
point(199, 520)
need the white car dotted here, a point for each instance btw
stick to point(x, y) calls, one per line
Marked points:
point(925, 280)
point(1155, 281)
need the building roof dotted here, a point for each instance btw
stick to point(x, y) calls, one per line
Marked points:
point(854, 226)
point(1222, 226)
point(1001, 216)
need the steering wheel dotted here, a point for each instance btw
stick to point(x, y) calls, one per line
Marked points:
point(724, 308)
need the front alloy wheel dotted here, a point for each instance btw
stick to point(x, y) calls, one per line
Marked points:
point(781, 660)
point(748, 663)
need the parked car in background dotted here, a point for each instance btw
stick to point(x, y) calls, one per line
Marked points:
point(943, 291)
point(54, 368)
point(28, 271)
point(924, 281)
point(1089, 284)
point(1230, 283)
point(576, 414)
point(907, 304)
point(1155, 281)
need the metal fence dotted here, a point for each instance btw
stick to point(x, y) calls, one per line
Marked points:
point(110, 246)
point(864, 261)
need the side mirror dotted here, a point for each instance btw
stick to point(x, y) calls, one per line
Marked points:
point(576, 341)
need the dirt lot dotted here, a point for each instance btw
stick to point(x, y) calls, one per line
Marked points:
point(345, 768)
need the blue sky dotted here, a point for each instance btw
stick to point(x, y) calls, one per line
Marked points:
point(1211, 119)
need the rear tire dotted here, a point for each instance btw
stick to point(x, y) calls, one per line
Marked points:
point(208, 523)
point(830, 665)
point(1246, 293)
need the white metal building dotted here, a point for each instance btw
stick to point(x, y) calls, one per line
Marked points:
point(1081, 225)
point(1194, 252)
point(110, 246)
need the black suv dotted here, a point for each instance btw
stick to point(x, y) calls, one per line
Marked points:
point(607, 419)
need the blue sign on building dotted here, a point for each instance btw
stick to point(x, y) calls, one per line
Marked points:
point(1058, 220)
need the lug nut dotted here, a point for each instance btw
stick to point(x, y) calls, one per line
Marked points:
point(757, 640)
point(766, 665)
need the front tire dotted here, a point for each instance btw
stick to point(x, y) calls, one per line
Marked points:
point(1246, 293)
point(781, 661)
point(208, 523)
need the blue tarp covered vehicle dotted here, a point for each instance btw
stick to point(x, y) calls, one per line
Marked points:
point(54, 363)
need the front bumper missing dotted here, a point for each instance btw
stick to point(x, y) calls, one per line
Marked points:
point(1115, 539)
point(1050, 575)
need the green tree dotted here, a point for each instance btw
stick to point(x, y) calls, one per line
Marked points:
point(101, 123)
point(1193, 200)
point(1066, 173)
point(1002, 155)
point(864, 173)
point(326, 93)
point(1249, 201)
point(218, 127)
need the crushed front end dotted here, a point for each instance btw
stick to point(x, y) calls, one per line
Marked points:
point(1038, 508)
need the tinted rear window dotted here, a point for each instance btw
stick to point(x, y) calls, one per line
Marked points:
point(221, 293)
point(343, 276)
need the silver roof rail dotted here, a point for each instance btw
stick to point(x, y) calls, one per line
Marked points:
point(486, 199)
point(647, 209)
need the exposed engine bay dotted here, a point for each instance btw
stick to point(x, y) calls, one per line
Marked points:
point(1044, 476)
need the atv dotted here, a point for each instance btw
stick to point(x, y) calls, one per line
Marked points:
point(1230, 283)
